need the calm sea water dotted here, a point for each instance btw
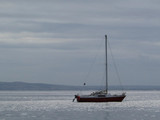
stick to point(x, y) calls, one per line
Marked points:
point(58, 105)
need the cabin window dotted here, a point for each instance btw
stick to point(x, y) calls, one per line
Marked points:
point(101, 95)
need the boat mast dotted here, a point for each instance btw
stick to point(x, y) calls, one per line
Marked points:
point(106, 64)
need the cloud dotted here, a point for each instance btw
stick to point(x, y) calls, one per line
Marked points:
point(58, 39)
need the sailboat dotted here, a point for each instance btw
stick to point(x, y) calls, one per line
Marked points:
point(103, 95)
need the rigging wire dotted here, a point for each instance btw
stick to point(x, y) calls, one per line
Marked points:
point(102, 87)
point(92, 64)
point(116, 69)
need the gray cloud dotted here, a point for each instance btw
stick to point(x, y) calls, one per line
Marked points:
point(56, 41)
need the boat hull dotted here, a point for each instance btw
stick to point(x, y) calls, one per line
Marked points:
point(101, 99)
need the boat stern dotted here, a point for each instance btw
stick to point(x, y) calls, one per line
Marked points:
point(76, 97)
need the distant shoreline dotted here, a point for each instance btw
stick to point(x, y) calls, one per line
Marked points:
point(23, 86)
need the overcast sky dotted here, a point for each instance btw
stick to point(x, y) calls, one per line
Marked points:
point(62, 42)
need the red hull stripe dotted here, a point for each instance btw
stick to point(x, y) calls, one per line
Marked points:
point(105, 99)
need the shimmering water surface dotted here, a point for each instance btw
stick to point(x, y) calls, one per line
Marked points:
point(58, 105)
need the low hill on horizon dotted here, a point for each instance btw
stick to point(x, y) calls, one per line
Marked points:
point(32, 86)
point(22, 86)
